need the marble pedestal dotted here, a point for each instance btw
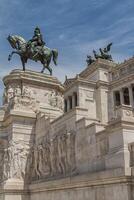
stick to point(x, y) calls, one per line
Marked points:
point(26, 95)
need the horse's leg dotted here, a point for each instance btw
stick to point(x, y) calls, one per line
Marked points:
point(48, 67)
point(42, 71)
point(13, 52)
point(23, 63)
point(44, 62)
point(48, 63)
point(50, 70)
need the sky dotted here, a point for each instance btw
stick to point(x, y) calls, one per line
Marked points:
point(74, 27)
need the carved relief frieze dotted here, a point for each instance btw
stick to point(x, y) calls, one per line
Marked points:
point(54, 99)
point(15, 160)
point(22, 103)
point(21, 99)
point(10, 92)
point(54, 156)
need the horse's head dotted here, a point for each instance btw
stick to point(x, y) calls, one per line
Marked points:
point(12, 40)
point(16, 41)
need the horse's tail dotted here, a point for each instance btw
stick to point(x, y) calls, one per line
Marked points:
point(55, 56)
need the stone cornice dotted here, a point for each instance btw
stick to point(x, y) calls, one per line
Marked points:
point(121, 81)
point(33, 77)
point(12, 116)
point(81, 81)
point(99, 63)
point(102, 84)
point(119, 124)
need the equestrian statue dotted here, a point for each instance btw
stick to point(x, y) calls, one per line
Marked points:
point(35, 49)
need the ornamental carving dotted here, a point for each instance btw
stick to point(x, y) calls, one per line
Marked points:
point(15, 160)
point(10, 92)
point(54, 156)
point(90, 95)
point(54, 99)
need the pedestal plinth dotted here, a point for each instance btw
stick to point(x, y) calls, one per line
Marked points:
point(33, 92)
point(26, 94)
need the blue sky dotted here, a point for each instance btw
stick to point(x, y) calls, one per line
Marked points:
point(74, 27)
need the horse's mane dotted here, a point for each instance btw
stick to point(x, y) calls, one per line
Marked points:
point(20, 38)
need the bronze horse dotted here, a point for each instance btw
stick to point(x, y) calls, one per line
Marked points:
point(44, 55)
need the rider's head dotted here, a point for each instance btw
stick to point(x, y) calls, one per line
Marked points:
point(105, 50)
point(36, 30)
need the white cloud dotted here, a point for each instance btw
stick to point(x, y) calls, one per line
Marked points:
point(62, 36)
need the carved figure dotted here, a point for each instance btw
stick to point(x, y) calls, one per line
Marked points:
point(10, 93)
point(36, 163)
point(53, 157)
point(17, 91)
point(26, 92)
point(60, 101)
point(62, 154)
point(6, 171)
point(104, 53)
point(89, 60)
point(52, 99)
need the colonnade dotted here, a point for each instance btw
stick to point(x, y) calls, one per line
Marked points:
point(124, 96)
point(70, 102)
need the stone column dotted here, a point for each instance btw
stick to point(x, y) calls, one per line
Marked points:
point(68, 104)
point(73, 100)
point(65, 105)
point(131, 95)
point(121, 97)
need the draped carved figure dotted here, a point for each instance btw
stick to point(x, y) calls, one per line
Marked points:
point(15, 160)
point(46, 159)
